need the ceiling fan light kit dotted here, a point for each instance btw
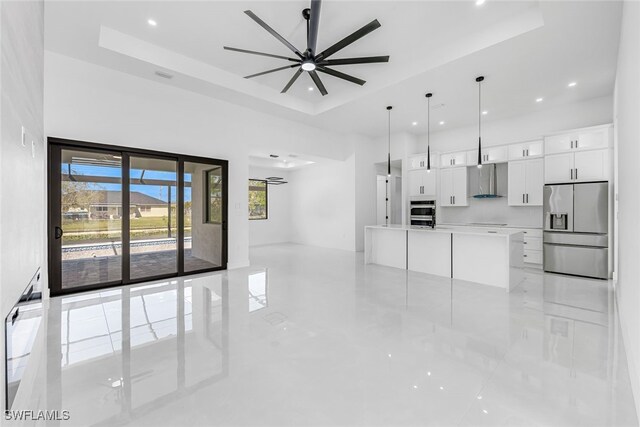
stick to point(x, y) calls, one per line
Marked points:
point(310, 62)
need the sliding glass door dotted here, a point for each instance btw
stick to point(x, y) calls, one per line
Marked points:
point(119, 215)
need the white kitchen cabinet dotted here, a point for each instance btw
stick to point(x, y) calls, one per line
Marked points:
point(525, 150)
point(525, 183)
point(559, 143)
point(582, 139)
point(591, 165)
point(422, 182)
point(532, 246)
point(418, 161)
point(558, 168)
point(453, 159)
point(490, 155)
point(453, 187)
point(592, 139)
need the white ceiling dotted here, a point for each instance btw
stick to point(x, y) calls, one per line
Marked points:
point(526, 49)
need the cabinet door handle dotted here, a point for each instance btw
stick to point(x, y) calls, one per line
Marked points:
point(522, 153)
point(454, 200)
point(522, 197)
point(576, 173)
point(572, 143)
point(571, 173)
point(577, 143)
point(527, 152)
point(527, 198)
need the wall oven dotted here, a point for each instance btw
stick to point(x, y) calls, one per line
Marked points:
point(423, 213)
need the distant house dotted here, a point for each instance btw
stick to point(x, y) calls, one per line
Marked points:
point(108, 205)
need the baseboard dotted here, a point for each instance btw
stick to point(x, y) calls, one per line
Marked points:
point(634, 374)
point(235, 265)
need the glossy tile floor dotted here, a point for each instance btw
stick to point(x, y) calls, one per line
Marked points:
point(310, 336)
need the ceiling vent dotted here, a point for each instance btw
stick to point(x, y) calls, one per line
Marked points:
point(164, 75)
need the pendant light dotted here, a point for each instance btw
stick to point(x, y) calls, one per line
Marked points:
point(429, 95)
point(479, 80)
point(386, 204)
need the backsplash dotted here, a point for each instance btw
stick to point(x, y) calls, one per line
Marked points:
point(494, 211)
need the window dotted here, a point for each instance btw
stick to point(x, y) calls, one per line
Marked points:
point(257, 199)
point(213, 202)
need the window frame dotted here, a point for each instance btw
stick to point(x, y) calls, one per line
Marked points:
point(207, 192)
point(266, 199)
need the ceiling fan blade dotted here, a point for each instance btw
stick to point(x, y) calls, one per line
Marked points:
point(318, 82)
point(272, 71)
point(314, 24)
point(340, 75)
point(349, 39)
point(351, 61)
point(273, 32)
point(253, 52)
point(292, 81)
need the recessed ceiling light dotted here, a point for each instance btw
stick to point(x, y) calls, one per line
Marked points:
point(539, 99)
point(572, 84)
point(310, 89)
point(414, 123)
point(480, 2)
point(152, 22)
point(441, 123)
point(484, 113)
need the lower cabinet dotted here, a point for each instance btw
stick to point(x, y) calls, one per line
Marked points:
point(532, 246)
point(453, 187)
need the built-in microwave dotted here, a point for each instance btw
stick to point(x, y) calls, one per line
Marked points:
point(423, 213)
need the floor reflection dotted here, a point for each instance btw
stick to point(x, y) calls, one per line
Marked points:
point(127, 351)
point(320, 338)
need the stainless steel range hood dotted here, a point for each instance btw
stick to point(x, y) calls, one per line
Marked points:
point(487, 182)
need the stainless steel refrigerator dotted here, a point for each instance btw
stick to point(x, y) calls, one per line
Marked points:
point(576, 224)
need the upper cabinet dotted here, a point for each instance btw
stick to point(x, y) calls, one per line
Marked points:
point(418, 161)
point(525, 150)
point(453, 159)
point(525, 183)
point(490, 155)
point(578, 156)
point(422, 182)
point(453, 187)
point(581, 166)
point(585, 139)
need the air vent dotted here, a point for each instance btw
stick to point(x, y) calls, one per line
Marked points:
point(164, 75)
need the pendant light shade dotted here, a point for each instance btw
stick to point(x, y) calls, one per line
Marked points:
point(479, 80)
point(429, 95)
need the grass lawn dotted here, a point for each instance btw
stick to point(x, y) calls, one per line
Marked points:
point(116, 224)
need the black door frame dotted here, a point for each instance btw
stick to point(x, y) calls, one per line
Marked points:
point(54, 216)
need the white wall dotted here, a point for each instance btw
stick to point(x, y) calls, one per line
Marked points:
point(22, 196)
point(323, 205)
point(277, 227)
point(627, 147)
point(92, 103)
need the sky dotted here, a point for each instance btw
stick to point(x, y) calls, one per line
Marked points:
point(157, 191)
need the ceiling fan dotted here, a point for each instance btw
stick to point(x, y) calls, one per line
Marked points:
point(309, 60)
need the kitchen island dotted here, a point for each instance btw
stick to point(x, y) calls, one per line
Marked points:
point(483, 255)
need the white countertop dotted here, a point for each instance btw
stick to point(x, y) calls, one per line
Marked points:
point(457, 229)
